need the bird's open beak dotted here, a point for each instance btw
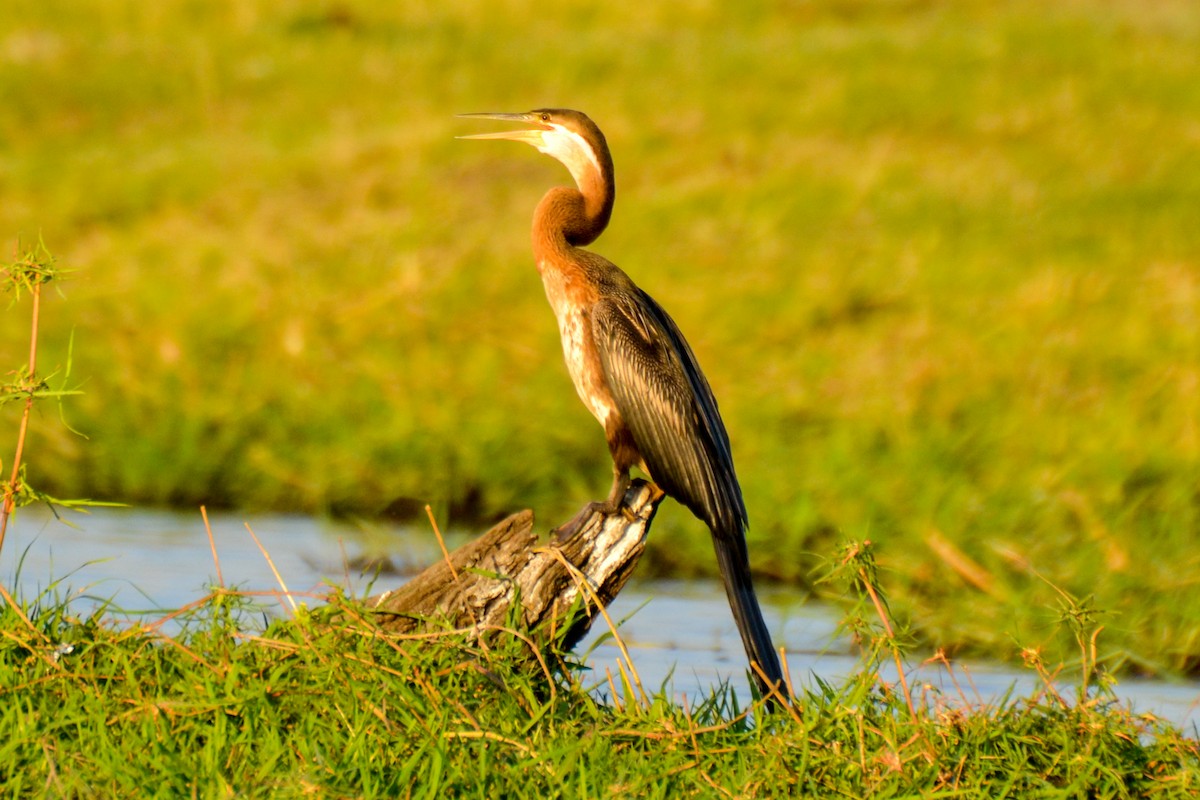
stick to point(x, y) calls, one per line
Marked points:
point(531, 136)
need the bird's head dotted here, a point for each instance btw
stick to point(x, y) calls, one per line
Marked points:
point(569, 136)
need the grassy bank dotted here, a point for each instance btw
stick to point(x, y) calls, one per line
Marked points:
point(313, 706)
point(939, 260)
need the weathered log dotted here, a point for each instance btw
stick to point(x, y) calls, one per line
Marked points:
point(476, 586)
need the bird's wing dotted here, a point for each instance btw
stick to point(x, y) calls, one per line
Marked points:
point(667, 405)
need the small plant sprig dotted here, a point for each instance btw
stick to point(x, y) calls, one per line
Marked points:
point(1081, 618)
point(27, 274)
point(878, 634)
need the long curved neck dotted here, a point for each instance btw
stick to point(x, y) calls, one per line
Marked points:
point(574, 217)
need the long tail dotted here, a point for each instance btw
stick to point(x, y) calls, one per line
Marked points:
point(739, 588)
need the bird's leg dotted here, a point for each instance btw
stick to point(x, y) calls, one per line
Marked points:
point(614, 503)
point(616, 495)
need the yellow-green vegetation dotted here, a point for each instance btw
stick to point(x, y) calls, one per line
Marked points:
point(940, 261)
point(326, 705)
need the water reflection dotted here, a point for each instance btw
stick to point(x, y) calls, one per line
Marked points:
point(680, 633)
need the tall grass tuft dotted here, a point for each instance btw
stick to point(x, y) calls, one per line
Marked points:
point(27, 275)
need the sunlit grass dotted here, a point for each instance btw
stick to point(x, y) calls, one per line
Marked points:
point(939, 261)
point(324, 704)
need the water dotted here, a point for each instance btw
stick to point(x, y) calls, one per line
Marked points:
point(676, 631)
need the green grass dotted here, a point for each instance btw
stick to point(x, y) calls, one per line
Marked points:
point(323, 704)
point(939, 260)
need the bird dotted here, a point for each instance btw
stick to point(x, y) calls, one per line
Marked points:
point(632, 367)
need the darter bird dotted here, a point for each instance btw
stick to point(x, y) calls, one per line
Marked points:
point(632, 367)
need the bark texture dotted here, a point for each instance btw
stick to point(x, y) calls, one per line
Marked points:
point(476, 587)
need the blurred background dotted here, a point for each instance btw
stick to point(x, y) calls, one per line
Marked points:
point(939, 260)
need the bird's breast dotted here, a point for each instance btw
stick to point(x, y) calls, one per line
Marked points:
point(571, 300)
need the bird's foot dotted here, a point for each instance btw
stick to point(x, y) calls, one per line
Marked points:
point(617, 502)
point(625, 502)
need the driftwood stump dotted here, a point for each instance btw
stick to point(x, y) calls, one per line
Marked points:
point(477, 585)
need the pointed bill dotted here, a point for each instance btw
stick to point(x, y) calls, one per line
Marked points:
point(531, 136)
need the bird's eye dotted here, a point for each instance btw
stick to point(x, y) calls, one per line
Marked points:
point(545, 117)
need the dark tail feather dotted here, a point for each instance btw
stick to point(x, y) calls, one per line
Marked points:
point(735, 570)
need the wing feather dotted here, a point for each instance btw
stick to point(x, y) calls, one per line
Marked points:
point(668, 406)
